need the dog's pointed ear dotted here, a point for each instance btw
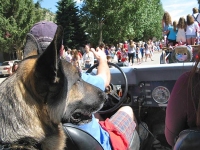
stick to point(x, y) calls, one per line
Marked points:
point(32, 47)
point(47, 63)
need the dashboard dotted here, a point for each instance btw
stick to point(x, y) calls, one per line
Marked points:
point(149, 85)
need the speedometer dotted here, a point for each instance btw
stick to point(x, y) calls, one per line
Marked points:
point(161, 94)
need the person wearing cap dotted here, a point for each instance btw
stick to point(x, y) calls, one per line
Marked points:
point(114, 133)
point(42, 33)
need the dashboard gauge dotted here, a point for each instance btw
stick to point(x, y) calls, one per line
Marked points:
point(161, 94)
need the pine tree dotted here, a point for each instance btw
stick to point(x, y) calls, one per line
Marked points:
point(68, 16)
point(16, 18)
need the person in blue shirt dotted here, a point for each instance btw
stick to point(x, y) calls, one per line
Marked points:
point(114, 133)
point(172, 32)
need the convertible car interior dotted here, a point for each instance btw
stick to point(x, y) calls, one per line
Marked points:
point(147, 90)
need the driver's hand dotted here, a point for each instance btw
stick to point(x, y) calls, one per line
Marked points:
point(100, 55)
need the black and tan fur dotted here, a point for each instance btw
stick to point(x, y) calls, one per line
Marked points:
point(44, 90)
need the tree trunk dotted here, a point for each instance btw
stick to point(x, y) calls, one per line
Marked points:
point(19, 54)
point(100, 32)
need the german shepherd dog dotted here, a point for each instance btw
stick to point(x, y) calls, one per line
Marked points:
point(44, 91)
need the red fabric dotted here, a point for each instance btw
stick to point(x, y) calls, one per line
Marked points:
point(119, 54)
point(160, 46)
point(123, 59)
point(118, 140)
point(126, 46)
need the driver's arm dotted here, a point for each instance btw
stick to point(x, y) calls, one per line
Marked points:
point(103, 68)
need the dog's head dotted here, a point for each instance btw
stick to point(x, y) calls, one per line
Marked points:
point(57, 85)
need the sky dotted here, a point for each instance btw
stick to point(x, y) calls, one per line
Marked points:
point(176, 8)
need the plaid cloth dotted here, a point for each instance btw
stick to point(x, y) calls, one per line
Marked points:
point(124, 123)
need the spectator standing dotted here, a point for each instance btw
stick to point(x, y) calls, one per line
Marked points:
point(151, 47)
point(112, 51)
point(196, 17)
point(88, 58)
point(124, 55)
point(172, 32)
point(107, 51)
point(131, 52)
point(119, 55)
point(68, 55)
point(142, 51)
point(160, 45)
point(76, 60)
point(191, 30)
point(138, 55)
point(147, 51)
point(181, 37)
point(125, 45)
point(166, 22)
point(119, 52)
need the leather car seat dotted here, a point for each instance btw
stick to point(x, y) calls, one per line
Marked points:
point(78, 139)
point(188, 140)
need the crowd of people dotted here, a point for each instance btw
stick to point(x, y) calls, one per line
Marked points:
point(186, 89)
point(128, 53)
point(184, 31)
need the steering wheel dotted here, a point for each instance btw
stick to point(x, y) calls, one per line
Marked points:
point(112, 94)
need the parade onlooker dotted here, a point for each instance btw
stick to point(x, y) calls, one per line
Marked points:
point(76, 60)
point(88, 58)
point(181, 37)
point(191, 30)
point(124, 55)
point(172, 32)
point(196, 15)
point(147, 51)
point(138, 55)
point(131, 52)
point(142, 51)
point(166, 21)
point(68, 55)
point(125, 45)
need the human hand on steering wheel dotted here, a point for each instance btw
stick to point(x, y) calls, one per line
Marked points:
point(112, 91)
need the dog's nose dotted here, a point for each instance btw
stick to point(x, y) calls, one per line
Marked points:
point(103, 96)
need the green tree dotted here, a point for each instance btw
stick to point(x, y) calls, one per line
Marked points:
point(43, 13)
point(120, 20)
point(68, 16)
point(16, 18)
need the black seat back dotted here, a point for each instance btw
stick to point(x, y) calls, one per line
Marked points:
point(188, 140)
point(78, 139)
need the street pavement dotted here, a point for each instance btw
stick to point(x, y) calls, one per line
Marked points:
point(2, 78)
point(155, 57)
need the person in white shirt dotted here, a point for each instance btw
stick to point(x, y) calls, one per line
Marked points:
point(191, 30)
point(68, 55)
point(88, 58)
point(196, 17)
